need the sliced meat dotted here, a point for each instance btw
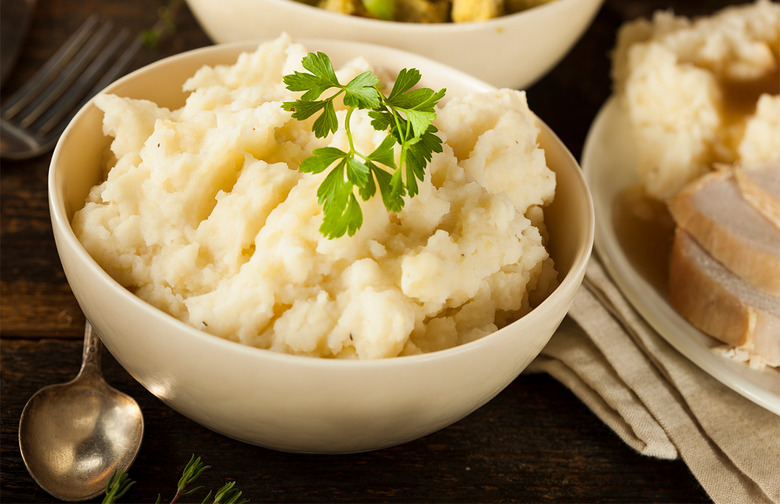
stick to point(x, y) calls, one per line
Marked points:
point(721, 304)
point(730, 229)
point(760, 186)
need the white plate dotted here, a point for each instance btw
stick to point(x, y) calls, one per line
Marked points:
point(608, 161)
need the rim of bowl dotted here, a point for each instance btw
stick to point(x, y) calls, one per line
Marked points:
point(493, 23)
point(60, 220)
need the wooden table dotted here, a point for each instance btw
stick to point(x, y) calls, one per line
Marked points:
point(535, 442)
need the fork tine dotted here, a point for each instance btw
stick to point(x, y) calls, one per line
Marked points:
point(119, 66)
point(24, 95)
point(70, 73)
point(36, 115)
point(95, 78)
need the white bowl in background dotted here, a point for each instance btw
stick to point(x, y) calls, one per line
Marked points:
point(294, 403)
point(511, 51)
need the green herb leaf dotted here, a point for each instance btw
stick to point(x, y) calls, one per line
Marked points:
point(392, 194)
point(384, 153)
point(332, 190)
point(228, 495)
point(320, 78)
point(120, 483)
point(321, 159)
point(407, 78)
point(327, 122)
point(406, 115)
point(304, 109)
point(361, 92)
point(341, 213)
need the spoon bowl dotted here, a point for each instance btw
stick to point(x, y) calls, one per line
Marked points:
point(74, 436)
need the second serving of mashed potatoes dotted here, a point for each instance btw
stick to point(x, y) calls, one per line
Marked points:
point(700, 92)
point(205, 215)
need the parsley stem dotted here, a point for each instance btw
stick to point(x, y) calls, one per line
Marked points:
point(403, 131)
point(348, 130)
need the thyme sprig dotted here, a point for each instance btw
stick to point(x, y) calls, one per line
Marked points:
point(191, 472)
point(165, 25)
point(117, 486)
point(120, 483)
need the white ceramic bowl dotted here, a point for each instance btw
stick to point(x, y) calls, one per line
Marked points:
point(294, 403)
point(511, 51)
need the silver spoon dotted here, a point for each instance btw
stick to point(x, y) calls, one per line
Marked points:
point(73, 436)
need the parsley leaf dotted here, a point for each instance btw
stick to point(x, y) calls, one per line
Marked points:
point(406, 114)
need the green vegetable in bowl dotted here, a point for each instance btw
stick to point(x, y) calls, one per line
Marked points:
point(381, 9)
point(427, 11)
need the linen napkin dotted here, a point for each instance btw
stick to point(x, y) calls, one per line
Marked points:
point(657, 401)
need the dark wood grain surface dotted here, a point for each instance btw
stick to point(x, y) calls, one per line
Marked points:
point(535, 442)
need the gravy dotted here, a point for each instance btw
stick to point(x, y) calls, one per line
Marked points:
point(645, 231)
point(643, 225)
point(741, 96)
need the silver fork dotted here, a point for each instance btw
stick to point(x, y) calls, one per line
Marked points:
point(34, 116)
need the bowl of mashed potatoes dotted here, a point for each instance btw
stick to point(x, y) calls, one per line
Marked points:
point(192, 243)
point(507, 44)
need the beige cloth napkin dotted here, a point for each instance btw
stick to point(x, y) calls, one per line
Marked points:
point(657, 401)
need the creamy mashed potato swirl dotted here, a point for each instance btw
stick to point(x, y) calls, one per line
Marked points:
point(204, 214)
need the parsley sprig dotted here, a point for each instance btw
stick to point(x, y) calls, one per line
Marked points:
point(407, 114)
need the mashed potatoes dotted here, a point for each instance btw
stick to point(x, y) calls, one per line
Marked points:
point(700, 92)
point(204, 214)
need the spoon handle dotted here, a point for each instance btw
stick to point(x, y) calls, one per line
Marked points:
point(92, 354)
